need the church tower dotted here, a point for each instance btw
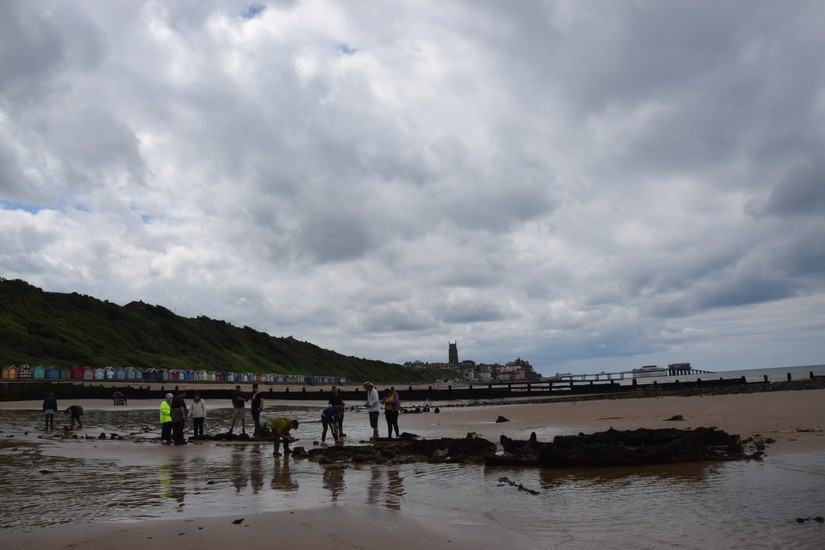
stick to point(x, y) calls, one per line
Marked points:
point(452, 354)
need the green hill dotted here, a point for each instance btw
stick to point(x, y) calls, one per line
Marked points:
point(49, 328)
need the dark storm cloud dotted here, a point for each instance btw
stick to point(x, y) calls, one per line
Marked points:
point(577, 183)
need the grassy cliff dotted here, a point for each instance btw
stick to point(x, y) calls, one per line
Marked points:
point(49, 328)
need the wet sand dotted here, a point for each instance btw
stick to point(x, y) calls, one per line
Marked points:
point(793, 419)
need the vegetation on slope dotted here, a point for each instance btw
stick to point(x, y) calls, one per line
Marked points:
point(48, 328)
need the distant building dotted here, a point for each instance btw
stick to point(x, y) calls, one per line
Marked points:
point(452, 354)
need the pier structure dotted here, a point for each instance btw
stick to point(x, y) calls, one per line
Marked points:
point(673, 369)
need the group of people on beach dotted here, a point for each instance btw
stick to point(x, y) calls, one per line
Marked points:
point(174, 412)
point(75, 413)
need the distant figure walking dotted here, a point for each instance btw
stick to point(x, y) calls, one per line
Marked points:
point(281, 427)
point(238, 403)
point(257, 408)
point(76, 412)
point(166, 420)
point(373, 408)
point(49, 408)
point(198, 414)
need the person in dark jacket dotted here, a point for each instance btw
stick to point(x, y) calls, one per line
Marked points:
point(257, 407)
point(49, 408)
point(77, 413)
point(179, 413)
point(338, 400)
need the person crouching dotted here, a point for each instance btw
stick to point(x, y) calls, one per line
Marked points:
point(281, 427)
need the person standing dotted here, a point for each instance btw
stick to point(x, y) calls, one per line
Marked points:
point(179, 414)
point(76, 411)
point(257, 407)
point(281, 427)
point(373, 408)
point(198, 415)
point(392, 407)
point(49, 408)
point(238, 403)
point(166, 420)
point(338, 400)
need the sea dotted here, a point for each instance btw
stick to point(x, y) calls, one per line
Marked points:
point(771, 503)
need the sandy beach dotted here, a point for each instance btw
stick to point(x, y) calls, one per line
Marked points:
point(793, 420)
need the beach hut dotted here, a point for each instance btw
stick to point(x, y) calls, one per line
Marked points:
point(133, 374)
point(10, 372)
point(24, 372)
point(66, 373)
point(218, 376)
point(99, 374)
point(151, 374)
point(165, 375)
point(77, 372)
point(201, 376)
point(88, 373)
point(39, 372)
point(120, 373)
point(52, 373)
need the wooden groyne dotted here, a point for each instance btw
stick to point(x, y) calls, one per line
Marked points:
point(20, 390)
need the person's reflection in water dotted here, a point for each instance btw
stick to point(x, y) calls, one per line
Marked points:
point(237, 469)
point(256, 470)
point(374, 486)
point(172, 481)
point(395, 489)
point(281, 476)
point(334, 480)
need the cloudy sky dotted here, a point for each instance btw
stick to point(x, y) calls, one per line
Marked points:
point(590, 186)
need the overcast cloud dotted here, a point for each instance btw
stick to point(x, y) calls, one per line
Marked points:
point(590, 186)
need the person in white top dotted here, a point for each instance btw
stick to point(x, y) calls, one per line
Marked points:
point(198, 413)
point(373, 407)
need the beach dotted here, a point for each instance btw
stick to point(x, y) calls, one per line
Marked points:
point(792, 423)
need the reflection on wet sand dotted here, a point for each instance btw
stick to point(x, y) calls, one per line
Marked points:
point(256, 469)
point(334, 480)
point(282, 477)
point(172, 480)
point(389, 496)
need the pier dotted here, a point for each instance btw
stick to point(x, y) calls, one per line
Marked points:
point(673, 369)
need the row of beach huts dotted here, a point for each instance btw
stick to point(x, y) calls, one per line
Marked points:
point(39, 372)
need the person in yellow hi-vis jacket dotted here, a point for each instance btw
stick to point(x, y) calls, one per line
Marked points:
point(166, 420)
point(281, 427)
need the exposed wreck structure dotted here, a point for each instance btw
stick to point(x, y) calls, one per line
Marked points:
point(622, 448)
